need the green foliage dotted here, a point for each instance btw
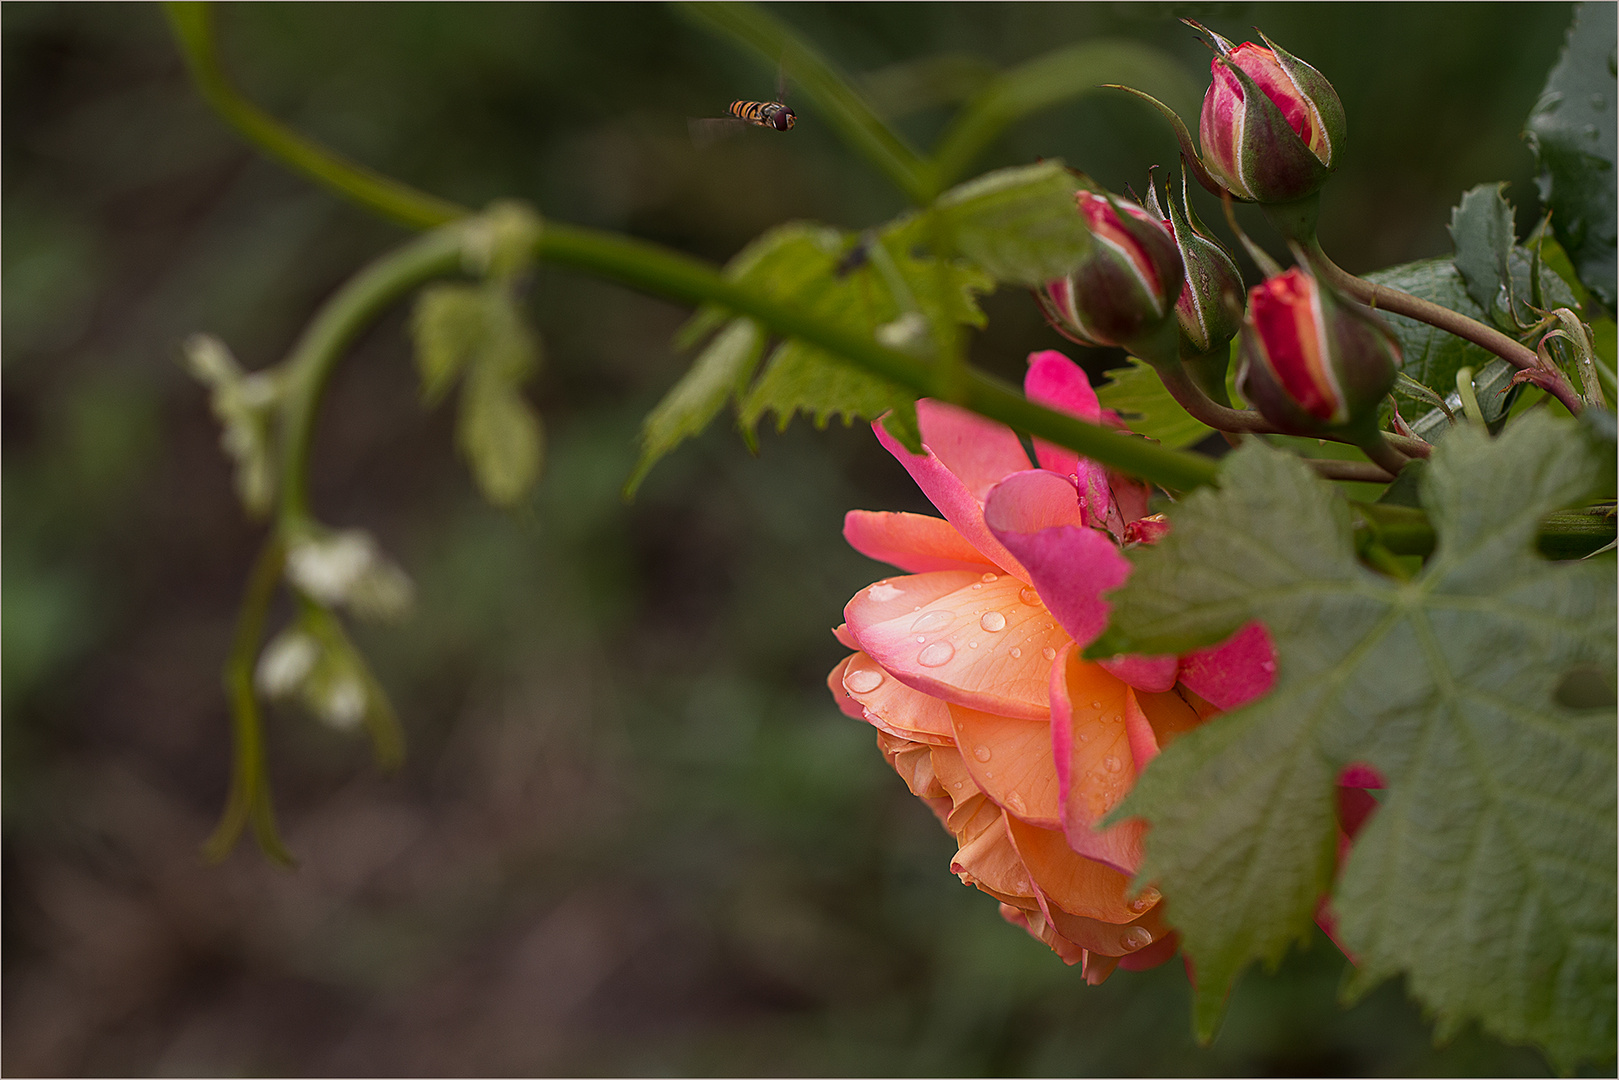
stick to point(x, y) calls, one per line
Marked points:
point(1138, 396)
point(1019, 224)
point(1481, 229)
point(1571, 131)
point(1487, 874)
point(477, 334)
point(721, 373)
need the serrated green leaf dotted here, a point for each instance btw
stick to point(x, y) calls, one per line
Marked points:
point(1482, 231)
point(1571, 130)
point(1019, 224)
point(499, 432)
point(1487, 875)
point(719, 374)
point(1138, 396)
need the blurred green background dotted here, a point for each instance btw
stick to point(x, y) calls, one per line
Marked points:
point(634, 834)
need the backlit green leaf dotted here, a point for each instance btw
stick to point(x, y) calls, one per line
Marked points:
point(499, 432)
point(1487, 875)
point(1138, 396)
point(1019, 224)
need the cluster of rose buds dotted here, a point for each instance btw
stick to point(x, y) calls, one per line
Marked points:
point(1313, 362)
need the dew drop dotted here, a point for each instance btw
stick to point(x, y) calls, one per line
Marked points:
point(1147, 899)
point(1268, 665)
point(1029, 596)
point(882, 592)
point(1021, 886)
point(1015, 803)
point(1084, 737)
point(1112, 764)
point(1016, 652)
point(993, 621)
point(981, 753)
point(987, 578)
point(978, 584)
point(972, 644)
point(1049, 653)
point(936, 655)
point(920, 639)
point(1137, 937)
point(863, 681)
point(957, 785)
point(1096, 704)
point(931, 620)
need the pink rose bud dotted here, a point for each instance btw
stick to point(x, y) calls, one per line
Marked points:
point(1271, 123)
point(1124, 292)
point(1313, 361)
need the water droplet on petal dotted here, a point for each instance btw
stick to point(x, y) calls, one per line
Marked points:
point(863, 681)
point(1096, 704)
point(1137, 937)
point(936, 655)
point(972, 644)
point(978, 584)
point(1021, 886)
point(1268, 665)
point(932, 620)
point(1112, 764)
point(1083, 737)
point(990, 577)
point(957, 785)
point(1029, 596)
point(993, 621)
point(1147, 899)
point(1049, 653)
point(1015, 803)
point(1016, 652)
point(882, 592)
point(981, 753)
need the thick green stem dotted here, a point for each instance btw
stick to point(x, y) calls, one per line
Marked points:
point(339, 321)
point(192, 23)
point(249, 799)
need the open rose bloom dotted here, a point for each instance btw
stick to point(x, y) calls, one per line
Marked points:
point(969, 667)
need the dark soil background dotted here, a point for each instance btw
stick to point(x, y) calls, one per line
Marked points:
point(634, 836)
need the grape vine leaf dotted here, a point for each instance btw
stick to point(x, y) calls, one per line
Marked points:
point(1571, 131)
point(1487, 875)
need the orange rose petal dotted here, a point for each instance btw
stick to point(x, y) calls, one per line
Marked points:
point(834, 683)
point(892, 597)
point(987, 644)
point(1098, 967)
point(953, 776)
point(988, 859)
point(846, 639)
point(1074, 883)
point(1041, 930)
point(914, 763)
point(1095, 761)
point(1106, 938)
point(1153, 955)
point(913, 542)
point(1156, 720)
point(891, 705)
point(1010, 761)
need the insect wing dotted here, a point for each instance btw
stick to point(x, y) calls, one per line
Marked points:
point(707, 132)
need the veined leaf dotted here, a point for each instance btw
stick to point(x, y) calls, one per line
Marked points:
point(1138, 396)
point(499, 432)
point(1571, 131)
point(1432, 356)
point(719, 374)
point(1019, 224)
point(1482, 231)
point(1487, 875)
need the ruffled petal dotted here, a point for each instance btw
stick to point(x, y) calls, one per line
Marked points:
point(1071, 566)
point(1095, 761)
point(1010, 761)
point(1074, 883)
point(960, 503)
point(1157, 953)
point(1041, 930)
point(1154, 674)
point(892, 706)
point(1154, 721)
point(987, 858)
point(913, 542)
point(1110, 939)
point(978, 451)
point(987, 644)
point(834, 683)
point(1235, 672)
point(846, 639)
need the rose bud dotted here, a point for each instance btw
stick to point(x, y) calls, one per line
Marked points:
point(1210, 306)
point(1312, 361)
point(1271, 123)
point(1124, 291)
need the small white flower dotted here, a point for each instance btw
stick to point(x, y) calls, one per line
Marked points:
point(342, 703)
point(286, 662)
point(328, 568)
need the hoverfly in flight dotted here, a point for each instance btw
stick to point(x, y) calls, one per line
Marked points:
point(768, 114)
